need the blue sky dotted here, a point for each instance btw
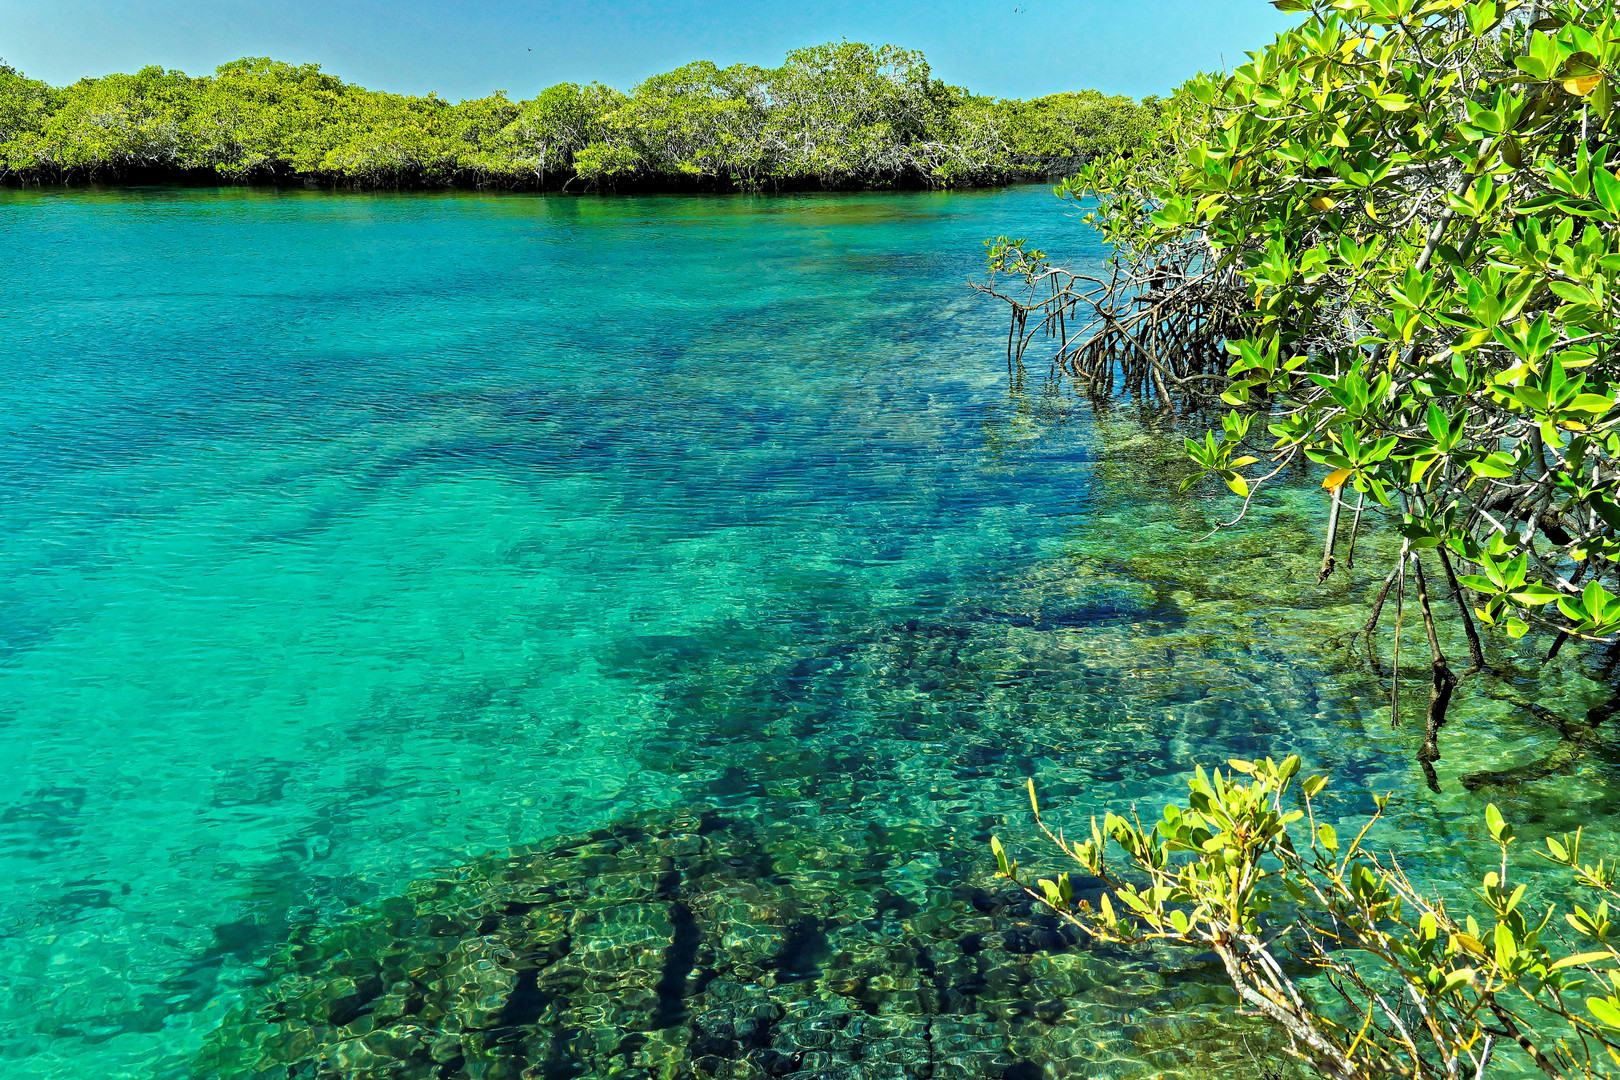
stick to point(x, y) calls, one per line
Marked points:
point(466, 48)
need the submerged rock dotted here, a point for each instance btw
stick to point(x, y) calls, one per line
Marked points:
point(673, 947)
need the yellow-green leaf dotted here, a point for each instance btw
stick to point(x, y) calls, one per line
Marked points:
point(1605, 1011)
point(1582, 958)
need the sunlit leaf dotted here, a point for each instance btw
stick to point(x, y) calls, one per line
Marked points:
point(1581, 958)
point(1607, 1013)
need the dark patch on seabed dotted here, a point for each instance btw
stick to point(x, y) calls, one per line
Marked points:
point(46, 819)
point(663, 947)
point(816, 927)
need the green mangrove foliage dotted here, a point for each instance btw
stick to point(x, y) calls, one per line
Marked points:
point(1389, 242)
point(834, 115)
point(1368, 976)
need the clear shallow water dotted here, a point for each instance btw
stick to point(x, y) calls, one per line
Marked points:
point(344, 537)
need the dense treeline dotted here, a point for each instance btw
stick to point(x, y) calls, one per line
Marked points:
point(836, 115)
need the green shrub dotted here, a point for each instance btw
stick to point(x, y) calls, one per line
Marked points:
point(1368, 976)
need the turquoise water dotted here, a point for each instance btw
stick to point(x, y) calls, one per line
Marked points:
point(345, 537)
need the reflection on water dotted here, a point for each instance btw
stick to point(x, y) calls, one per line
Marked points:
point(345, 539)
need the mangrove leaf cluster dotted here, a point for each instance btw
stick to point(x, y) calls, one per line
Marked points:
point(1400, 222)
point(1390, 243)
point(1248, 869)
point(835, 115)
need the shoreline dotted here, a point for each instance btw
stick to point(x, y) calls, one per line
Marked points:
point(651, 185)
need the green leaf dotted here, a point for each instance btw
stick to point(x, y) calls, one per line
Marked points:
point(1498, 465)
point(1535, 595)
point(1592, 403)
point(1581, 958)
point(1605, 1010)
point(1131, 899)
point(1493, 821)
point(1507, 945)
point(1606, 186)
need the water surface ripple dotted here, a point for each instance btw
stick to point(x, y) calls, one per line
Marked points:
point(345, 537)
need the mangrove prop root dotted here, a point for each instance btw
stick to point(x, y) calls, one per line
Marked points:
point(1355, 530)
point(1154, 330)
point(1371, 626)
point(1332, 536)
point(1443, 681)
point(1476, 652)
point(1395, 664)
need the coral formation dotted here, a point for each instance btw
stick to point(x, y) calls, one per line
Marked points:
point(673, 946)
